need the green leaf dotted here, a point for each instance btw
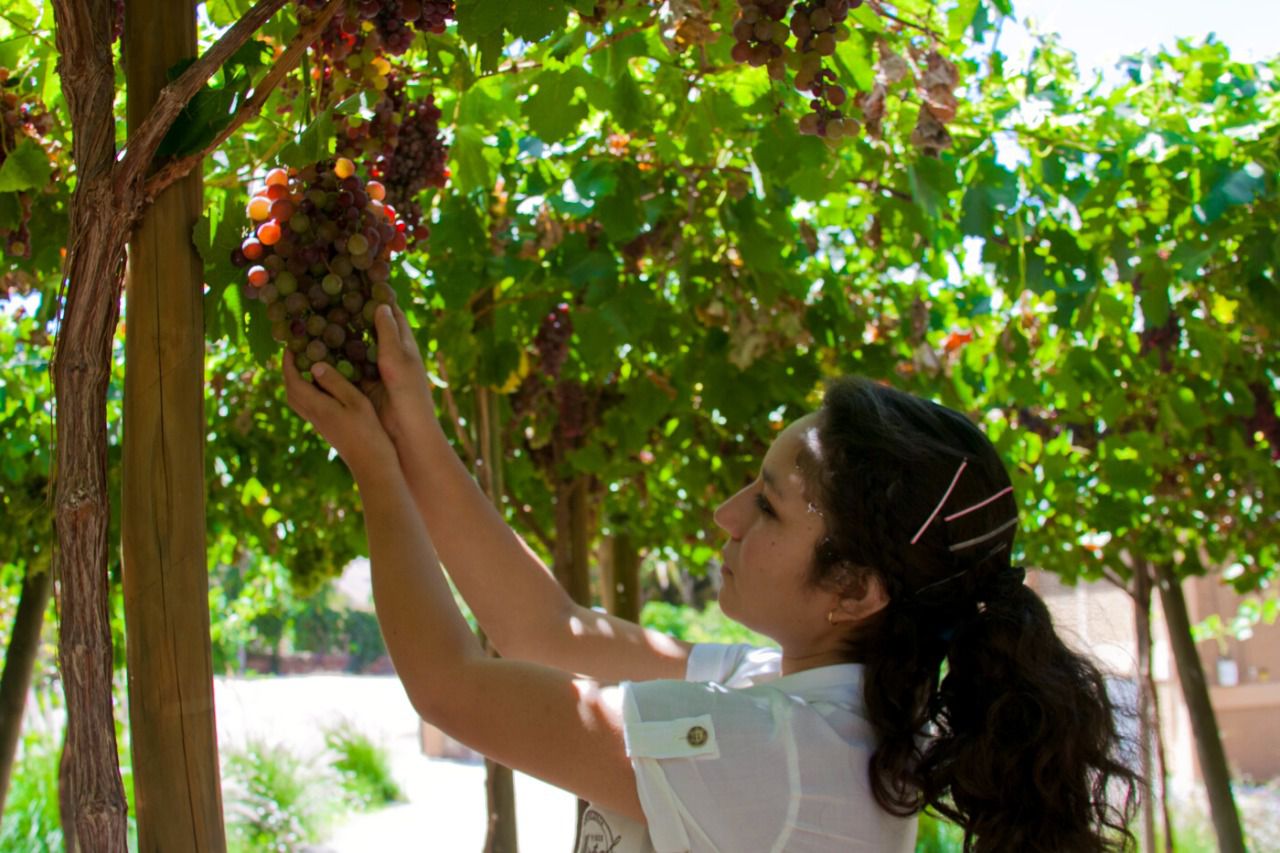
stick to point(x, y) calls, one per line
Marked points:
point(533, 20)
point(1238, 187)
point(312, 144)
point(551, 113)
point(26, 168)
point(211, 109)
point(959, 18)
point(474, 171)
point(10, 211)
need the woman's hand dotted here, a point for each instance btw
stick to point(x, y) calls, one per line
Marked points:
point(343, 416)
point(402, 397)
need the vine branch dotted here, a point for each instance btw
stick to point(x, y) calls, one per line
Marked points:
point(173, 98)
point(279, 69)
point(879, 9)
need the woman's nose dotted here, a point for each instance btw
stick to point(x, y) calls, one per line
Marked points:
point(728, 517)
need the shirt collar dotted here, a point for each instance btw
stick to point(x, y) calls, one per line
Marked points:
point(840, 683)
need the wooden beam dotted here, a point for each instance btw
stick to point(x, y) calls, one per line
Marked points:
point(166, 590)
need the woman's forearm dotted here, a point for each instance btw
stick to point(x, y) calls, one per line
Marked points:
point(426, 636)
point(514, 596)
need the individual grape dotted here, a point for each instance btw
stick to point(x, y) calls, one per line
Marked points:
point(259, 208)
point(269, 233)
point(317, 351)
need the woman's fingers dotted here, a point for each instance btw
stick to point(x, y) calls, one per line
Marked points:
point(298, 393)
point(406, 333)
point(388, 330)
point(337, 385)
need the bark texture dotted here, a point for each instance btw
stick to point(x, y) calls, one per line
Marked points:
point(93, 799)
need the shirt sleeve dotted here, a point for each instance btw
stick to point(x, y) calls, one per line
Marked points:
point(716, 768)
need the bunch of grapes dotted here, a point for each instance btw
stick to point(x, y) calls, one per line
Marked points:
point(319, 259)
point(409, 153)
point(552, 339)
point(390, 23)
point(18, 119)
point(817, 26)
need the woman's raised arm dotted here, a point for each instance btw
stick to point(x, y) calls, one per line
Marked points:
point(516, 599)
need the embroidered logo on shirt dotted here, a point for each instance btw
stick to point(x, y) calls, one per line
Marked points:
point(597, 836)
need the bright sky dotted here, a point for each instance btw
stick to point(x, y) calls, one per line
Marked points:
point(1101, 31)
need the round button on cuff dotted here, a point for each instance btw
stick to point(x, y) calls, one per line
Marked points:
point(697, 736)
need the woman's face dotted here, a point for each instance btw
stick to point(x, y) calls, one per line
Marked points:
point(773, 528)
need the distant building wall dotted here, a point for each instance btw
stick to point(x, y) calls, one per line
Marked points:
point(1098, 619)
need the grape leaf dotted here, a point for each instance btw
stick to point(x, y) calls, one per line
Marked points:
point(211, 109)
point(26, 168)
point(552, 115)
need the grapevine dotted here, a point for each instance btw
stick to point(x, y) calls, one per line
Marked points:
point(319, 259)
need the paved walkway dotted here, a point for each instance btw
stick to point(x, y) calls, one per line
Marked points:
point(446, 811)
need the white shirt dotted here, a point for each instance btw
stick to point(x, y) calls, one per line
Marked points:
point(738, 759)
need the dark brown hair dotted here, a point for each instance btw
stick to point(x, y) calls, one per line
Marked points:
point(1018, 743)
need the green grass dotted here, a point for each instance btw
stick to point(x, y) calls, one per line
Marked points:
point(31, 816)
point(272, 799)
point(363, 766)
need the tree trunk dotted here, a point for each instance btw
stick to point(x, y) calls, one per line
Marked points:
point(1213, 760)
point(177, 792)
point(92, 796)
point(1142, 628)
point(499, 786)
point(573, 538)
point(621, 576)
point(1167, 820)
point(19, 663)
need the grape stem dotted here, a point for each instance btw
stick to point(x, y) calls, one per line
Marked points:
point(878, 6)
point(251, 107)
point(515, 66)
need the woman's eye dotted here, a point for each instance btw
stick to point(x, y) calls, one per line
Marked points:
point(762, 504)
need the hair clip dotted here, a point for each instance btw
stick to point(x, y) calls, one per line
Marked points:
point(960, 546)
point(941, 503)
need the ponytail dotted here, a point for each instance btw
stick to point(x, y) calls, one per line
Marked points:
point(1023, 753)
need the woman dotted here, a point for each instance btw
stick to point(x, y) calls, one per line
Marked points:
point(874, 547)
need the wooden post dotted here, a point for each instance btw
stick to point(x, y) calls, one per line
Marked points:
point(166, 583)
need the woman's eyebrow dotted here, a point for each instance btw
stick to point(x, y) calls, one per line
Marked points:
point(770, 481)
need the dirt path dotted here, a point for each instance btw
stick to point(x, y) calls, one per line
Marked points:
point(446, 811)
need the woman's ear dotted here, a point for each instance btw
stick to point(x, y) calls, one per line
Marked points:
point(865, 599)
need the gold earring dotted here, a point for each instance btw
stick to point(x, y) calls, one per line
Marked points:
point(831, 613)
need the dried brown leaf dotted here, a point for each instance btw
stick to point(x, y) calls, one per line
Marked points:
point(929, 135)
point(941, 103)
point(939, 72)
